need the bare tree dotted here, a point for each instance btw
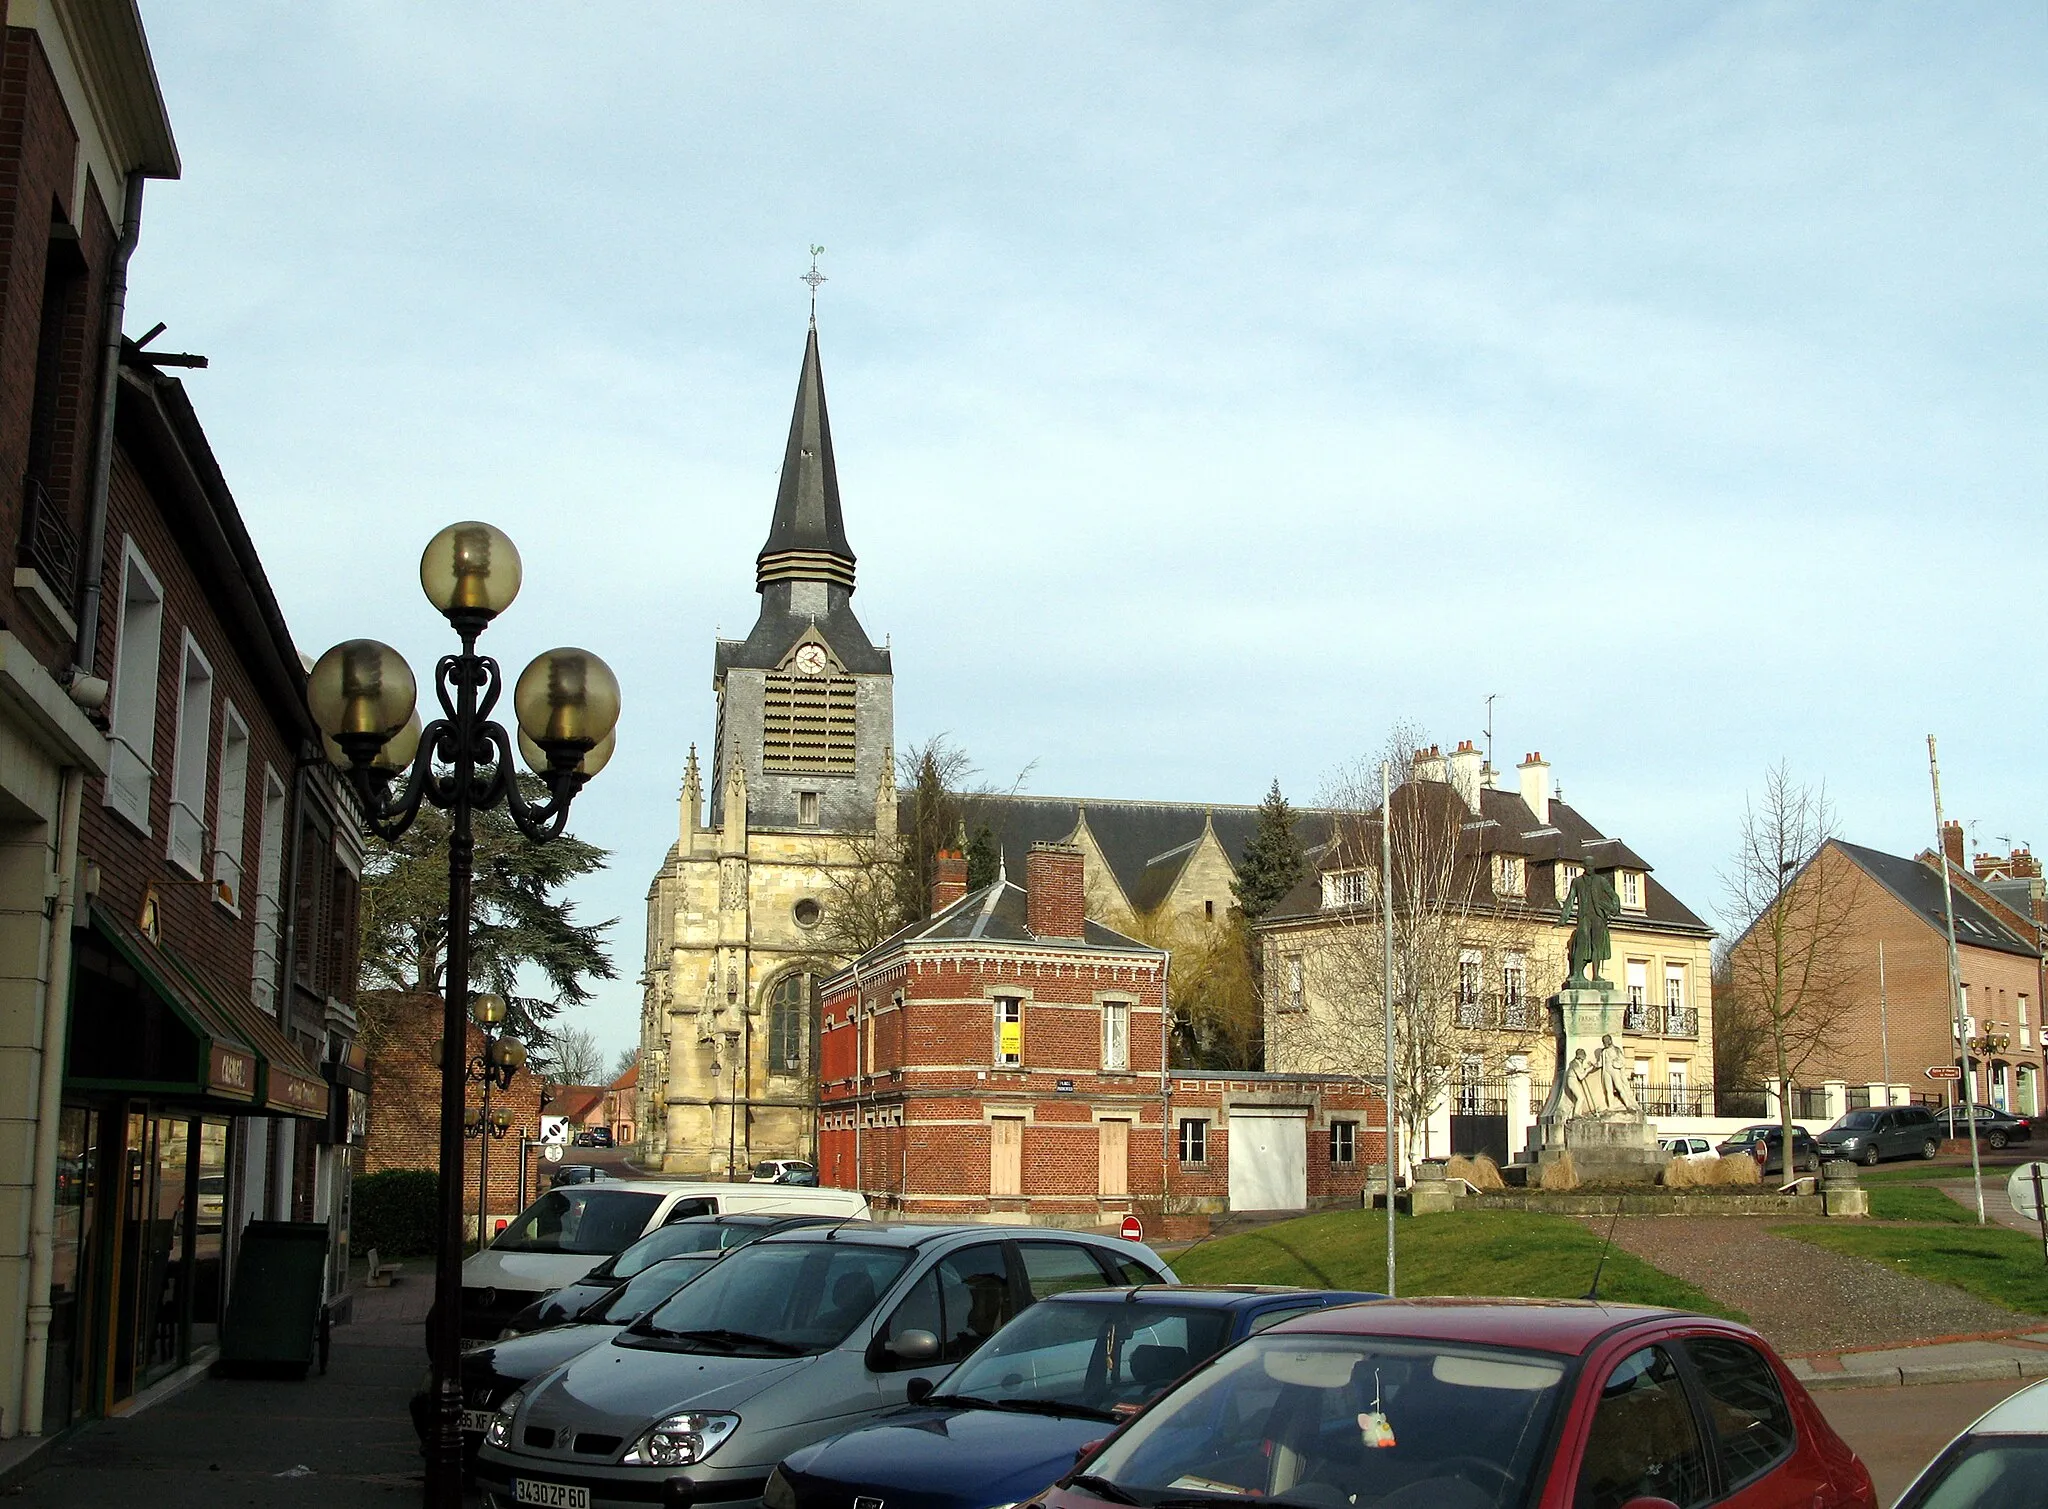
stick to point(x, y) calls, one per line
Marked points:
point(627, 1058)
point(1742, 1045)
point(1795, 906)
point(1218, 1022)
point(863, 900)
point(572, 1057)
point(1454, 991)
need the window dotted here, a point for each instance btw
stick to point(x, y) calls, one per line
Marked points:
point(1209, 910)
point(137, 643)
point(1743, 1401)
point(788, 1023)
point(1508, 875)
point(1009, 1032)
point(807, 808)
point(1644, 1442)
point(1056, 1267)
point(1470, 963)
point(1344, 1142)
point(1676, 1073)
point(1194, 1140)
point(1514, 990)
point(1674, 1000)
point(1632, 890)
point(234, 795)
point(344, 886)
point(963, 1301)
point(1637, 976)
point(1296, 978)
point(189, 760)
point(1641, 1075)
point(269, 880)
point(1471, 1085)
point(1566, 874)
point(1346, 888)
point(1116, 1035)
point(807, 724)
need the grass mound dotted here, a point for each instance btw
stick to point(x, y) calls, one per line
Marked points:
point(1990, 1262)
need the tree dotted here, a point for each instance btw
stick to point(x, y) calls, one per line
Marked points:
point(627, 1058)
point(1452, 935)
point(984, 858)
point(519, 922)
point(864, 888)
point(1741, 1043)
point(1273, 859)
point(1794, 905)
point(929, 817)
point(571, 1056)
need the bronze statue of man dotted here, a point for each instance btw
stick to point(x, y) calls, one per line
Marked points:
point(1591, 896)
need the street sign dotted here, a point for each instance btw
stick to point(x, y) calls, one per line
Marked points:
point(1134, 1229)
point(1944, 1071)
point(2024, 1187)
point(556, 1128)
point(552, 1151)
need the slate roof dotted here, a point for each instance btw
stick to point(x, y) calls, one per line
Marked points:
point(1918, 886)
point(995, 915)
point(807, 501)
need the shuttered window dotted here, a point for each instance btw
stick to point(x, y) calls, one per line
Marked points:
point(807, 724)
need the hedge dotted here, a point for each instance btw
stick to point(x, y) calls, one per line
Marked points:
point(395, 1212)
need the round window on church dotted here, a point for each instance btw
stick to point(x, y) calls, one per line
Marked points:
point(808, 913)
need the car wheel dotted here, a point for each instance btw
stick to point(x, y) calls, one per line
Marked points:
point(1997, 1139)
point(1870, 1156)
point(1929, 1148)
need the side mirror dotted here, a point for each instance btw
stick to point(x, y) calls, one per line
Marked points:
point(1081, 1455)
point(914, 1346)
point(917, 1390)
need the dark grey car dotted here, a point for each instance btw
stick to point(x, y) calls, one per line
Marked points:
point(786, 1341)
point(1883, 1132)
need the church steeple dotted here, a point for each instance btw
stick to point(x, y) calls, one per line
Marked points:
point(807, 539)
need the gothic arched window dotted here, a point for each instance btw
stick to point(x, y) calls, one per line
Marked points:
point(789, 1023)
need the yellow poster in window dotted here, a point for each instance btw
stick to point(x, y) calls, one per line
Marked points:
point(1010, 1039)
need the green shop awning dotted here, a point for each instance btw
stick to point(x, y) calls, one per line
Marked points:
point(144, 1028)
point(292, 1084)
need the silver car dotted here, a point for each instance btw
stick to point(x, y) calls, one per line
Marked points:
point(797, 1337)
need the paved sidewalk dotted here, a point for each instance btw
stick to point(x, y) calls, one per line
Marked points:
point(1956, 1360)
point(341, 1440)
point(1997, 1207)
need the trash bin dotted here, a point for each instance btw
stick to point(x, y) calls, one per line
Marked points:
point(273, 1322)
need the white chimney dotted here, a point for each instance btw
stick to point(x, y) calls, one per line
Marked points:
point(1535, 773)
point(1465, 763)
point(1427, 764)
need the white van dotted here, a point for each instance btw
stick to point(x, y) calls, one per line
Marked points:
point(569, 1231)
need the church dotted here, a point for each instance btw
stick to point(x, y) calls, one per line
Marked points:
point(802, 788)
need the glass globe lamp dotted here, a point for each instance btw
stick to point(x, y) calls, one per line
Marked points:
point(487, 1009)
point(361, 688)
point(566, 696)
point(594, 759)
point(470, 571)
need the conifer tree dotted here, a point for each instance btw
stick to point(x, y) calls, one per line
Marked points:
point(1273, 862)
point(984, 858)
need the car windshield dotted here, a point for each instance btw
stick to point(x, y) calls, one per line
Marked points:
point(1856, 1121)
point(1090, 1357)
point(645, 1290)
point(777, 1298)
point(1986, 1472)
point(679, 1237)
point(579, 1219)
point(1332, 1421)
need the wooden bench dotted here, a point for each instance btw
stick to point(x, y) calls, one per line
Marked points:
point(381, 1275)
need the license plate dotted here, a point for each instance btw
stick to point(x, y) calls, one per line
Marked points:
point(553, 1495)
point(476, 1421)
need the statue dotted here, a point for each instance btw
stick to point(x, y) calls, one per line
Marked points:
point(1615, 1087)
point(1592, 897)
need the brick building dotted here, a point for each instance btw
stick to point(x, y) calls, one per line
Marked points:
point(1004, 1060)
point(621, 1103)
point(404, 1124)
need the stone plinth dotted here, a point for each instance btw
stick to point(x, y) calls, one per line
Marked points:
point(1592, 1112)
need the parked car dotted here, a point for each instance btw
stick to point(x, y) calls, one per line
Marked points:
point(692, 1234)
point(1695, 1148)
point(1547, 1403)
point(492, 1371)
point(567, 1232)
point(1764, 1143)
point(575, 1173)
point(594, 1137)
point(1009, 1419)
point(1883, 1132)
point(1995, 1128)
point(2000, 1462)
point(788, 1340)
point(784, 1171)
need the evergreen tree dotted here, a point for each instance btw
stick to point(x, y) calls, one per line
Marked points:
point(1273, 862)
point(984, 858)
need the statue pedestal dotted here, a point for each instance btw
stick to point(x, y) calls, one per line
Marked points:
point(1592, 1112)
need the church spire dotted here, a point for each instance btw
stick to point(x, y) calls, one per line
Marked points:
point(807, 540)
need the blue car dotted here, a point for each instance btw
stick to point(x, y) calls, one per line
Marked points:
point(1010, 1418)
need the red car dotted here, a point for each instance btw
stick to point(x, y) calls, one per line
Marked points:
point(1481, 1404)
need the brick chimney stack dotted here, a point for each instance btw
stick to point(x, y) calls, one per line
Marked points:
point(952, 882)
point(1952, 842)
point(1055, 903)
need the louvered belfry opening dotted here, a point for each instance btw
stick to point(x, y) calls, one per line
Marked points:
point(807, 724)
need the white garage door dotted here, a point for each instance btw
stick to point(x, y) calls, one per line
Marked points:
point(1268, 1160)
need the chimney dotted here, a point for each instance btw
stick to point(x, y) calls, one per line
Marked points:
point(1465, 762)
point(1055, 903)
point(952, 882)
point(1535, 773)
point(2024, 865)
point(1427, 764)
point(1952, 842)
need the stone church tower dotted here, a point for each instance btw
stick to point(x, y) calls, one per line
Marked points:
point(802, 783)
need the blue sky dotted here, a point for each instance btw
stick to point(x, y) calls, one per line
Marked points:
point(1212, 387)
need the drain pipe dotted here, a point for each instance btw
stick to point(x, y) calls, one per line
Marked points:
point(103, 439)
point(42, 1217)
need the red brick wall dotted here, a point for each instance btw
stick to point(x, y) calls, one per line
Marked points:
point(1056, 902)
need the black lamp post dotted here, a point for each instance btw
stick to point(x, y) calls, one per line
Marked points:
point(567, 701)
point(502, 1058)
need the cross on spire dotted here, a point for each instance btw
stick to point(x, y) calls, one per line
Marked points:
point(814, 278)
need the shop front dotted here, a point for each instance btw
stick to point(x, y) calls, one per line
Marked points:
point(161, 1077)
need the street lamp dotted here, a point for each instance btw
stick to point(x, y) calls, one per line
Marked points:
point(502, 1057)
point(362, 695)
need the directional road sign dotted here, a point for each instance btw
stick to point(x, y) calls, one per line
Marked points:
point(1944, 1071)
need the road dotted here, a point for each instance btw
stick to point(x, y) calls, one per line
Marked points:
point(1897, 1431)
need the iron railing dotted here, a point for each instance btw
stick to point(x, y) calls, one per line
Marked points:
point(47, 543)
point(1640, 1019)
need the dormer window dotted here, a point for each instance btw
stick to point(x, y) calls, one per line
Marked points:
point(1631, 889)
point(1566, 874)
point(1346, 888)
point(1508, 875)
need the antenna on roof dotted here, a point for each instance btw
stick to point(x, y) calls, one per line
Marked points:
point(1605, 1248)
point(1490, 696)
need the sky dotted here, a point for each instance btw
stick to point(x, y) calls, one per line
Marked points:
point(1213, 387)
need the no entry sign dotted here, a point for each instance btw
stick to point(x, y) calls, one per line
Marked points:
point(1134, 1229)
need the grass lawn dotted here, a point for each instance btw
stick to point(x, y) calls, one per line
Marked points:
point(1991, 1262)
point(1500, 1252)
point(1916, 1202)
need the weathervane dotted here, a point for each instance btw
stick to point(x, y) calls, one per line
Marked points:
point(814, 278)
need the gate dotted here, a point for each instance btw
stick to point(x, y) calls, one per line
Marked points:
point(1479, 1119)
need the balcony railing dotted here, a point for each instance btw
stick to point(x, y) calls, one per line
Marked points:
point(47, 542)
point(1643, 1020)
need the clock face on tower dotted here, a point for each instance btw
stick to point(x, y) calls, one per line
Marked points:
point(810, 659)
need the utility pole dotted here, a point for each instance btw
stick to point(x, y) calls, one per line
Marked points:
point(1884, 1031)
point(1387, 990)
point(1955, 981)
